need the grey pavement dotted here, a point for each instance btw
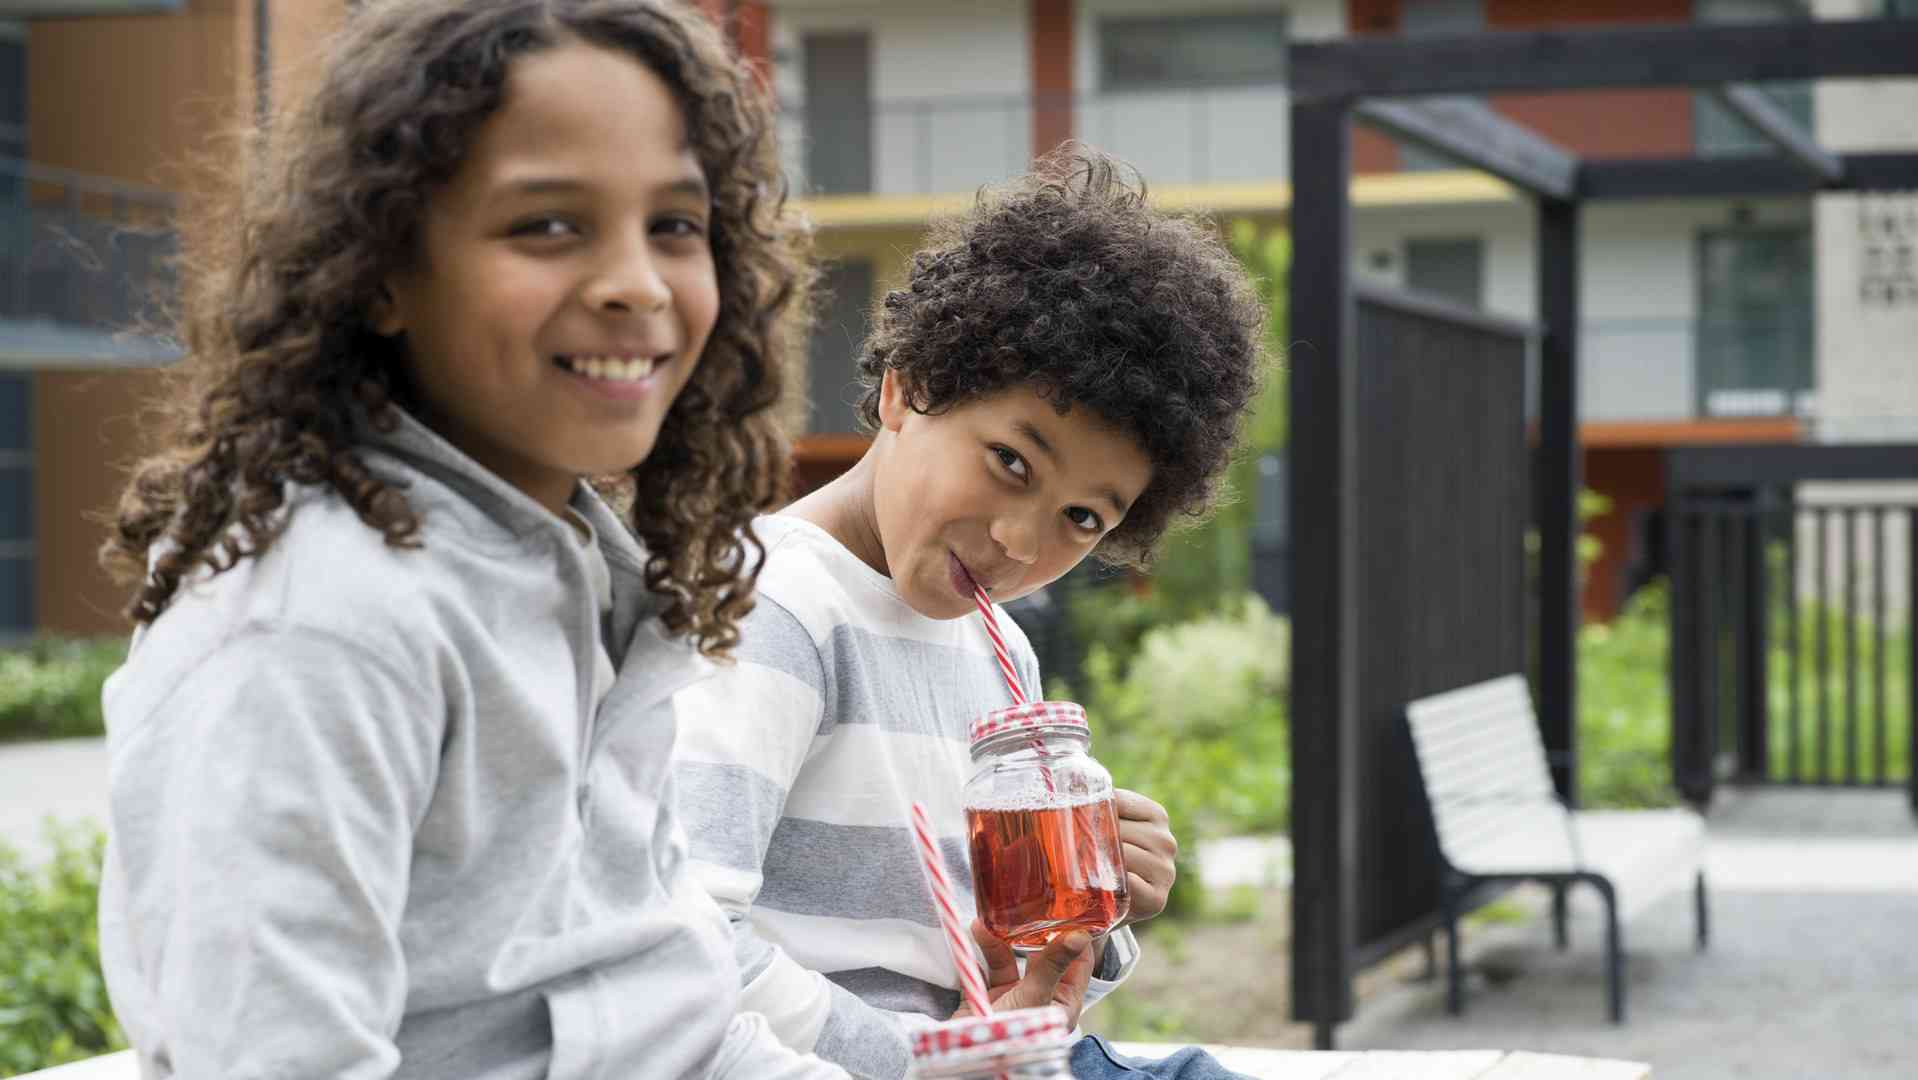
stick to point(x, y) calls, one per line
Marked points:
point(65, 779)
point(1812, 969)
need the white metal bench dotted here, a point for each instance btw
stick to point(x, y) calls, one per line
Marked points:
point(1498, 819)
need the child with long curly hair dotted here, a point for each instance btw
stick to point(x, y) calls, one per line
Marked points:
point(390, 792)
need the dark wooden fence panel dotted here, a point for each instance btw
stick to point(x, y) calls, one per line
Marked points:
point(1442, 479)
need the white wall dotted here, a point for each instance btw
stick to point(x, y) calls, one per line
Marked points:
point(1867, 351)
point(1226, 135)
point(1638, 275)
point(950, 86)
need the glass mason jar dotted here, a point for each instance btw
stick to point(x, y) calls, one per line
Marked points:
point(1019, 1044)
point(1043, 827)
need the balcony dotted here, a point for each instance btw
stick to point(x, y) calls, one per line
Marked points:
point(85, 263)
point(945, 145)
point(1684, 368)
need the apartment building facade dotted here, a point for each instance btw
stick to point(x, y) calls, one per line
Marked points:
point(1704, 320)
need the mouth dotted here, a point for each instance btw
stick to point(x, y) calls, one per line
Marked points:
point(961, 578)
point(612, 368)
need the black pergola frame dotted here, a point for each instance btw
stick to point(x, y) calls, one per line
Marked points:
point(1332, 83)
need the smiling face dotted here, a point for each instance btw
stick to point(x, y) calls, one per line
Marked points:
point(1001, 490)
point(564, 288)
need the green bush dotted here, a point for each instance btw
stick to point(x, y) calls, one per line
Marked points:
point(1624, 707)
point(53, 1000)
point(1193, 715)
point(51, 688)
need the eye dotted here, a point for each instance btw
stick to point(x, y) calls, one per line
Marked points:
point(1013, 463)
point(544, 227)
point(680, 226)
point(1085, 519)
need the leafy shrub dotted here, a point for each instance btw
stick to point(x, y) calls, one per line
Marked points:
point(1195, 718)
point(53, 1000)
point(51, 688)
point(1624, 707)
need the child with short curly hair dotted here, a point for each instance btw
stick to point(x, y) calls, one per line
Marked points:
point(390, 790)
point(1064, 374)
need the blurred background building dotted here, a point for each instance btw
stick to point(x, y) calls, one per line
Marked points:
point(1707, 320)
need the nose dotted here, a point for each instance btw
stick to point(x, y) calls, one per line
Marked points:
point(1017, 537)
point(627, 279)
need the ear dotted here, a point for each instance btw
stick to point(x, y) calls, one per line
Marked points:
point(384, 315)
point(894, 402)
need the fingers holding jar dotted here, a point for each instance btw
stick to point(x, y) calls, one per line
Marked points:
point(1149, 850)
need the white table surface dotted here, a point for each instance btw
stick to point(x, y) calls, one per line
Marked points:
point(1264, 1064)
point(1399, 1065)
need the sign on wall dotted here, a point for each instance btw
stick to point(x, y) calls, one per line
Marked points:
point(1887, 250)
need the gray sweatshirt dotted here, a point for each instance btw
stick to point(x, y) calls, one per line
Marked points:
point(382, 812)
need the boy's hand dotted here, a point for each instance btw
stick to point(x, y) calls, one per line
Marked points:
point(1145, 836)
point(1055, 976)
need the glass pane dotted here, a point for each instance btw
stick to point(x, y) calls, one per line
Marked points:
point(16, 504)
point(1755, 315)
point(838, 338)
point(16, 412)
point(16, 595)
point(1201, 50)
point(1452, 268)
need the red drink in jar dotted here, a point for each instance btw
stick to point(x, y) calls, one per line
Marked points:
point(1040, 872)
point(1042, 827)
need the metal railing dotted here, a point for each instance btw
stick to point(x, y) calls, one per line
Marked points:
point(955, 144)
point(81, 251)
point(1794, 659)
point(1681, 367)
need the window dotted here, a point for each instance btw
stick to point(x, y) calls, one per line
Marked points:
point(13, 89)
point(1755, 319)
point(837, 340)
point(16, 506)
point(1433, 18)
point(1716, 131)
point(1452, 268)
point(1161, 53)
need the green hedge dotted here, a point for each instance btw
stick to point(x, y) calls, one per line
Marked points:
point(51, 688)
point(53, 1000)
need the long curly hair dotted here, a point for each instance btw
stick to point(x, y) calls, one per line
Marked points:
point(1068, 281)
point(274, 310)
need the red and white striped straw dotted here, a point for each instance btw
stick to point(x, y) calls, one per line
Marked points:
point(971, 984)
point(998, 644)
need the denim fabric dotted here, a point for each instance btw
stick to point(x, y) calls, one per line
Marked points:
point(1094, 1059)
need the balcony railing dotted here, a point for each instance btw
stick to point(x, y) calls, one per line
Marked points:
point(1678, 367)
point(80, 255)
point(944, 145)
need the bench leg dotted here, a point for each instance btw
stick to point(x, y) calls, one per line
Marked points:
point(1614, 951)
point(1558, 916)
point(1431, 971)
point(1703, 914)
point(1454, 966)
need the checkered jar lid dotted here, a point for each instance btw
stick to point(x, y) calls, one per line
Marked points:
point(982, 1038)
point(1033, 715)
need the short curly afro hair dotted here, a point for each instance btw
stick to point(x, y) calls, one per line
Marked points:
point(1067, 281)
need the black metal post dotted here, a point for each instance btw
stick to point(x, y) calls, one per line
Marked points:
point(1685, 674)
point(1324, 446)
point(1822, 632)
point(1794, 718)
point(1911, 657)
point(1755, 668)
point(1852, 714)
point(1879, 553)
point(1559, 480)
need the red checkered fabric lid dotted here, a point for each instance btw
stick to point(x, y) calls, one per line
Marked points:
point(984, 1037)
point(1033, 714)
